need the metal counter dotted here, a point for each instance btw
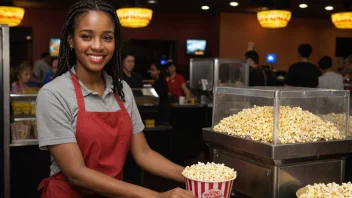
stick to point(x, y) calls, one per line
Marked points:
point(278, 171)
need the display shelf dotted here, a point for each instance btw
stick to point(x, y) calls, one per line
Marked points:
point(29, 142)
point(24, 118)
point(23, 96)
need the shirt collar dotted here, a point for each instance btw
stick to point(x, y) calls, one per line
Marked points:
point(109, 86)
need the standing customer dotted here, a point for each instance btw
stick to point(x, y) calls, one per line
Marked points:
point(329, 79)
point(133, 79)
point(303, 73)
point(87, 117)
point(176, 83)
point(257, 75)
point(42, 66)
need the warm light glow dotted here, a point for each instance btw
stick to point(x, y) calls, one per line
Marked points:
point(303, 5)
point(342, 20)
point(11, 15)
point(274, 18)
point(134, 17)
point(152, 1)
point(205, 8)
point(329, 8)
point(233, 3)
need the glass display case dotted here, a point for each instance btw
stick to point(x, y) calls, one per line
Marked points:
point(205, 73)
point(280, 139)
point(282, 115)
point(145, 96)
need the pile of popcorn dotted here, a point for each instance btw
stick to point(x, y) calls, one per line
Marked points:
point(339, 119)
point(295, 125)
point(331, 190)
point(209, 172)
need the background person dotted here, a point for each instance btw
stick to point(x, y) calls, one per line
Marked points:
point(42, 66)
point(176, 83)
point(133, 79)
point(329, 79)
point(303, 73)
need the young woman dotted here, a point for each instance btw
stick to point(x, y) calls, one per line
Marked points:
point(22, 75)
point(87, 117)
point(176, 82)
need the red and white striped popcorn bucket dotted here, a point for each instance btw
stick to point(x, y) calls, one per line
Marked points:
point(210, 189)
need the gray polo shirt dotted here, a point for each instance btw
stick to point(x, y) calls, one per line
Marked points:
point(56, 110)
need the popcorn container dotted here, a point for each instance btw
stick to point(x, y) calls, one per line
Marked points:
point(203, 189)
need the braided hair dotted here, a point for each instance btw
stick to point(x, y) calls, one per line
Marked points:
point(67, 57)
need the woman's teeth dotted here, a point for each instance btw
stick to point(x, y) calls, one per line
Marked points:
point(97, 58)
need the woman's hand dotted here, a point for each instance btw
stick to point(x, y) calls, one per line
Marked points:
point(176, 193)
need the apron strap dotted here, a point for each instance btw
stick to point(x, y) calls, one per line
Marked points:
point(120, 103)
point(78, 91)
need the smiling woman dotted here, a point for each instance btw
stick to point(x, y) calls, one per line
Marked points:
point(87, 117)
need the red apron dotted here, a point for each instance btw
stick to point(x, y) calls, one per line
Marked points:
point(104, 139)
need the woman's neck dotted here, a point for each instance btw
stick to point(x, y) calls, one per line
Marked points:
point(92, 80)
point(22, 84)
point(172, 75)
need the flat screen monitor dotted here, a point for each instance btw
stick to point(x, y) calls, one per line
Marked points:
point(271, 58)
point(54, 46)
point(196, 46)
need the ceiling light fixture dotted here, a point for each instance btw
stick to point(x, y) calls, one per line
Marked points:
point(342, 20)
point(152, 1)
point(329, 8)
point(205, 7)
point(11, 15)
point(134, 17)
point(303, 5)
point(234, 3)
point(274, 18)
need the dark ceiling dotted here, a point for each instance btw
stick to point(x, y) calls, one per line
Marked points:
point(315, 7)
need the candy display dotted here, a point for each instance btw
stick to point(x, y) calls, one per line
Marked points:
point(24, 130)
point(295, 125)
point(23, 108)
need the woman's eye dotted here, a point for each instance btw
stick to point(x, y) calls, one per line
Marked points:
point(85, 37)
point(108, 38)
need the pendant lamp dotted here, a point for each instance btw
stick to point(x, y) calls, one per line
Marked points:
point(11, 15)
point(274, 18)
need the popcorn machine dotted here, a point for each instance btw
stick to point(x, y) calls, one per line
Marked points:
point(280, 139)
point(207, 73)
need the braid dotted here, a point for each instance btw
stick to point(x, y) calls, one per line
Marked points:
point(67, 57)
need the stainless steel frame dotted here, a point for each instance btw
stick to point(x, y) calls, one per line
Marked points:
point(278, 171)
point(216, 65)
point(5, 64)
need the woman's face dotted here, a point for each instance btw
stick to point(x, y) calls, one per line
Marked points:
point(128, 63)
point(172, 69)
point(25, 76)
point(93, 40)
point(154, 72)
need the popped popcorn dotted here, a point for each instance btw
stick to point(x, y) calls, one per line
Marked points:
point(331, 190)
point(209, 172)
point(339, 120)
point(295, 125)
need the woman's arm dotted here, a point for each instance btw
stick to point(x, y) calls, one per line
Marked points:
point(153, 162)
point(70, 160)
point(186, 90)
